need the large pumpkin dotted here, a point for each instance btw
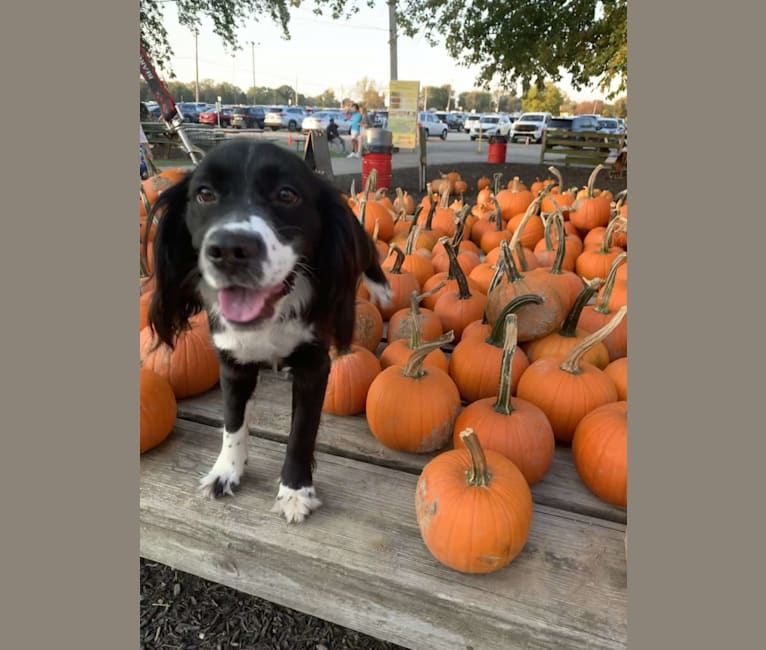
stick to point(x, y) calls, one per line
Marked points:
point(191, 366)
point(157, 409)
point(473, 507)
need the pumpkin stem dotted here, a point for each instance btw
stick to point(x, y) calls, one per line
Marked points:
point(431, 210)
point(497, 333)
point(478, 475)
point(499, 221)
point(412, 236)
point(463, 292)
point(522, 257)
point(376, 230)
point(558, 176)
point(371, 183)
point(602, 306)
point(606, 242)
point(497, 176)
point(414, 366)
point(572, 363)
point(621, 198)
point(547, 232)
point(363, 207)
point(509, 266)
point(503, 403)
point(592, 180)
point(568, 328)
point(558, 260)
point(396, 269)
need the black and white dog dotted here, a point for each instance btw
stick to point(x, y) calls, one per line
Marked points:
point(273, 253)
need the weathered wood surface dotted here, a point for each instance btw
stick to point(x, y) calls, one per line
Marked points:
point(350, 437)
point(359, 560)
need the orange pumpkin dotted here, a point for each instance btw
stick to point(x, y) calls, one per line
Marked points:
point(591, 210)
point(157, 409)
point(595, 316)
point(513, 427)
point(351, 373)
point(474, 508)
point(402, 283)
point(400, 325)
point(617, 371)
point(191, 366)
point(413, 407)
point(600, 452)
point(368, 325)
point(568, 390)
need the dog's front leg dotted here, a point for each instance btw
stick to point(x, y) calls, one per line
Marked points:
point(237, 385)
point(297, 498)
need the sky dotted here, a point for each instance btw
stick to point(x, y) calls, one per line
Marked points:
point(321, 54)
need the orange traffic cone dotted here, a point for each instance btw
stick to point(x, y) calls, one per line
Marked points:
point(290, 139)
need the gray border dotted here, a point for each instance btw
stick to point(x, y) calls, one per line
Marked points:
point(70, 417)
point(693, 537)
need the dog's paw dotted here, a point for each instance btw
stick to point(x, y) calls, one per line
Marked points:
point(296, 505)
point(219, 481)
point(379, 293)
point(228, 468)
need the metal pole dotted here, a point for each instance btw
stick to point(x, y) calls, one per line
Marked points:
point(252, 44)
point(392, 39)
point(196, 67)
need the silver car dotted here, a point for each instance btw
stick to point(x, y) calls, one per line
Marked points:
point(320, 119)
point(471, 120)
point(284, 117)
point(491, 125)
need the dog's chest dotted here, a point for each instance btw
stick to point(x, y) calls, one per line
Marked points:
point(271, 344)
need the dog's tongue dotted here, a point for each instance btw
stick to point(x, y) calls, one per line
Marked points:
point(241, 305)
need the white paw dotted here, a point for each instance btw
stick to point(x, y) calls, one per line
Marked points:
point(296, 505)
point(379, 293)
point(228, 468)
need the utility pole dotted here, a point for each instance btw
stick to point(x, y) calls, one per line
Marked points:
point(196, 67)
point(252, 45)
point(392, 39)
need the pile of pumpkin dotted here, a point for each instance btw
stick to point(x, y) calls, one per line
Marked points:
point(506, 334)
point(167, 374)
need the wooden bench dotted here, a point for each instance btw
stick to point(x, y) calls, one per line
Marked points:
point(359, 560)
point(584, 148)
point(203, 137)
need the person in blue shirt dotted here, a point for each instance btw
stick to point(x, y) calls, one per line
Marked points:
point(358, 120)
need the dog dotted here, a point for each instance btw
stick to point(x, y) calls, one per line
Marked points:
point(273, 253)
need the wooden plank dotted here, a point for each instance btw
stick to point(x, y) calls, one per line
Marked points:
point(350, 437)
point(359, 560)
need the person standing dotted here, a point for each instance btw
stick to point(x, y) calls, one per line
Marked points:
point(356, 131)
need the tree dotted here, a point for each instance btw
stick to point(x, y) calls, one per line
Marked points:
point(526, 41)
point(547, 100)
point(529, 41)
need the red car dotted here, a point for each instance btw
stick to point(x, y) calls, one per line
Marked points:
point(211, 117)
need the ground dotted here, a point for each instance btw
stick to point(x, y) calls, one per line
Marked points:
point(183, 612)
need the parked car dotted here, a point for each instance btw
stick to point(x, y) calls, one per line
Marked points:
point(284, 117)
point(379, 119)
point(491, 125)
point(432, 124)
point(470, 121)
point(189, 110)
point(320, 120)
point(211, 117)
point(442, 115)
point(455, 120)
point(530, 125)
point(611, 126)
point(248, 117)
point(575, 123)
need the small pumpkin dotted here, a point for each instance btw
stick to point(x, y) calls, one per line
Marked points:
point(351, 373)
point(412, 408)
point(191, 366)
point(511, 426)
point(473, 507)
point(157, 409)
point(368, 325)
point(600, 452)
point(568, 390)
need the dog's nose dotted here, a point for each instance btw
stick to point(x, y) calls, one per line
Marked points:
point(226, 248)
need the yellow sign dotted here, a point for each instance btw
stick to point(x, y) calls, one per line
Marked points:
point(403, 113)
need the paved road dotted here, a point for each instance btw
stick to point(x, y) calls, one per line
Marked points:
point(456, 148)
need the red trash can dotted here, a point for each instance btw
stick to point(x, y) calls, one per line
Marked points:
point(497, 149)
point(381, 162)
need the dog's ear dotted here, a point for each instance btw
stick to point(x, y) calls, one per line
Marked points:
point(345, 252)
point(175, 298)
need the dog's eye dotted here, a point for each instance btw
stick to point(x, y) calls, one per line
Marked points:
point(287, 196)
point(205, 195)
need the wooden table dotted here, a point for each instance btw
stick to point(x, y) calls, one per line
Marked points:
point(359, 560)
